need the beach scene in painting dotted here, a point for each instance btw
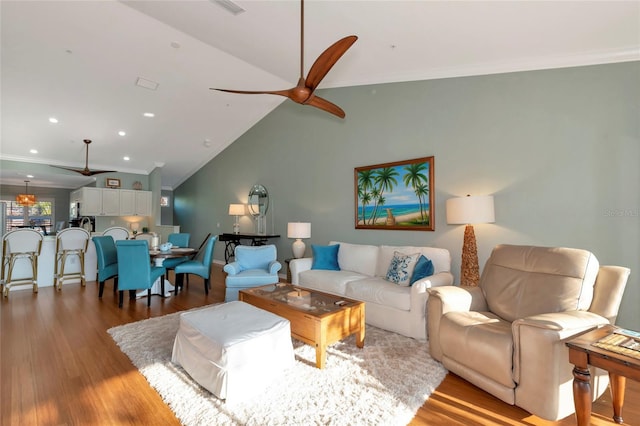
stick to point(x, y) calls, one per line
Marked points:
point(397, 195)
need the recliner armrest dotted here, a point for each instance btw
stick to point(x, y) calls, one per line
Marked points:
point(457, 298)
point(540, 353)
point(232, 268)
point(448, 299)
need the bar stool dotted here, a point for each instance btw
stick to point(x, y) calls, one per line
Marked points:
point(117, 232)
point(20, 245)
point(70, 242)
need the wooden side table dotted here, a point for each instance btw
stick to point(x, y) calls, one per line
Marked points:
point(582, 354)
point(288, 269)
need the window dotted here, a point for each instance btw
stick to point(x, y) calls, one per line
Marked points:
point(38, 216)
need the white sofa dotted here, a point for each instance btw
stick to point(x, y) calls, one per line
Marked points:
point(362, 273)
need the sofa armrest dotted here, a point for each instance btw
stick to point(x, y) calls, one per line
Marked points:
point(541, 361)
point(274, 266)
point(232, 268)
point(299, 265)
point(448, 299)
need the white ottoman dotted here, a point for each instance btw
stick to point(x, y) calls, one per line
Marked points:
point(234, 349)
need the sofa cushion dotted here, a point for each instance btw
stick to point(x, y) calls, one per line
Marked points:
point(481, 342)
point(325, 257)
point(401, 268)
point(521, 281)
point(440, 258)
point(380, 291)
point(359, 258)
point(423, 269)
point(328, 281)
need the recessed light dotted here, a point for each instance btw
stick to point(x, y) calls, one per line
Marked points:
point(149, 114)
point(33, 151)
point(30, 176)
point(125, 158)
point(122, 133)
point(53, 120)
point(207, 143)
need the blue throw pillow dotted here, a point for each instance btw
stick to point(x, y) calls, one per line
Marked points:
point(325, 257)
point(424, 268)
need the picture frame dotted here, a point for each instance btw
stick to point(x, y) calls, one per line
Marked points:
point(112, 183)
point(395, 196)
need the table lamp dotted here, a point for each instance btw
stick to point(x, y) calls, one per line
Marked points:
point(468, 210)
point(298, 230)
point(236, 210)
point(135, 227)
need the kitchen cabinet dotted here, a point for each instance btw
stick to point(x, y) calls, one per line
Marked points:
point(135, 203)
point(99, 202)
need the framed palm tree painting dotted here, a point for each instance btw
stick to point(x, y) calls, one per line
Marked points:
point(395, 195)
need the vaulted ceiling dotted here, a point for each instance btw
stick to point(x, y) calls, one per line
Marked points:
point(97, 66)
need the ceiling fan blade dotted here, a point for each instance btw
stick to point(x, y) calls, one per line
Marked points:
point(325, 105)
point(257, 92)
point(327, 60)
point(84, 172)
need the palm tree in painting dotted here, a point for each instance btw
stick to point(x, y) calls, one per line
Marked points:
point(365, 183)
point(418, 180)
point(385, 180)
point(422, 191)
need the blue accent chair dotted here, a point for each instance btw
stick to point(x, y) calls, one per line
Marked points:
point(107, 261)
point(134, 269)
point(201, 268)
point(178, 240)
point(253, 266)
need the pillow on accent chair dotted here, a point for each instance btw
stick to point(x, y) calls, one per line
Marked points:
point(401, 268)
point(424, 268)
point(325, 257)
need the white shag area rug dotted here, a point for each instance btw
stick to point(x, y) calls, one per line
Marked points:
point(384, 383)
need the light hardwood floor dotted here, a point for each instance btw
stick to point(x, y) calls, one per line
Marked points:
point(58, 366)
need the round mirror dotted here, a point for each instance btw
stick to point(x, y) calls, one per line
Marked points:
point(258, 200)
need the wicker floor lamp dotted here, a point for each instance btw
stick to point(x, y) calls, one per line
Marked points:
point(466, 211)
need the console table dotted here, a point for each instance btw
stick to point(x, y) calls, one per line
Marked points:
point(233, 240)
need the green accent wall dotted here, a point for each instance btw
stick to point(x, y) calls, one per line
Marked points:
point(559, 150)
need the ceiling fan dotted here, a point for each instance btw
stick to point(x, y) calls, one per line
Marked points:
point(303, 92)
point(85, 171)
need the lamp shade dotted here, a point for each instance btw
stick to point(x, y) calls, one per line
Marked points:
point(298, 230)
point(470, 209)
point(135, 226)
point(236, 209)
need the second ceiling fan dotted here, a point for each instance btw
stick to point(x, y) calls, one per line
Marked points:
point(303, 92)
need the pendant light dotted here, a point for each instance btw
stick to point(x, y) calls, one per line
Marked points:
point(26, 199)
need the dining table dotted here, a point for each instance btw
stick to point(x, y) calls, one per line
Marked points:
point(157, 257)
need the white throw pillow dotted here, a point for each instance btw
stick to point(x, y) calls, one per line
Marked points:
point(401, 268)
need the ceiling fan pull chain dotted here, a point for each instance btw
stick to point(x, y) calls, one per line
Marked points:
point(301, 38)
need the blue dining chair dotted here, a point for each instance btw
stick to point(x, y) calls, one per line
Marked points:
point(254, 266)
point(134, 269)
point(107, 261)
point(201, 268)
point(178, 240)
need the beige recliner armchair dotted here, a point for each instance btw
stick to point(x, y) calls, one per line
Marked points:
point(507, 336)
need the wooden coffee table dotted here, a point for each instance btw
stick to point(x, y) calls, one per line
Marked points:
point(582, 353)
point(318, 319)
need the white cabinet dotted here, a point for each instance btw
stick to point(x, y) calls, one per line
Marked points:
point(143, 203)
point(112, 202)
point(135, 203)
point(127, 202)
point(99, 202)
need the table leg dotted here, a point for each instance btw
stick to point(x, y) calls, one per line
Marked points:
point(582, 395)
point(321, 355)
point(617, 385)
